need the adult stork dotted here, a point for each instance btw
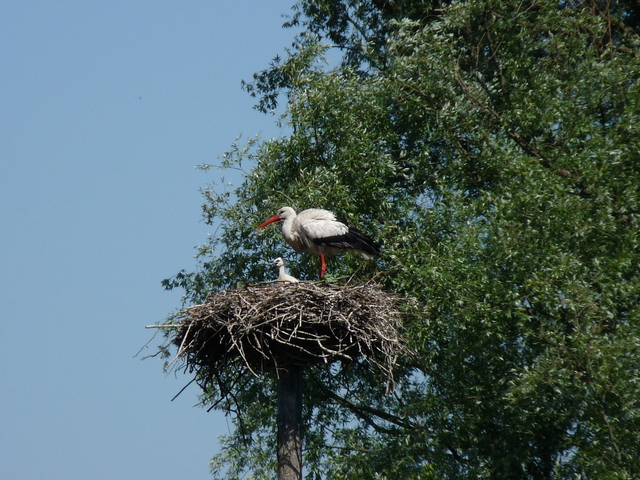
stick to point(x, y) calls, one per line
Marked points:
point(283, 276)
point(321, 233)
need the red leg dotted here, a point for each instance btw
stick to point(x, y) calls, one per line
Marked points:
point(323, 265)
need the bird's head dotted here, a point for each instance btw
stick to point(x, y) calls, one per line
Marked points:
point(278, 262)
point(283, 214)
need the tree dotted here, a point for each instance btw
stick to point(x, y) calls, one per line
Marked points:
point(494, 148)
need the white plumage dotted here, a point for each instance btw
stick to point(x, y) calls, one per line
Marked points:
point(283, 276)
point(322, 233)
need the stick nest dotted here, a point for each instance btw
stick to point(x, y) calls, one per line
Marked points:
point(269, 328)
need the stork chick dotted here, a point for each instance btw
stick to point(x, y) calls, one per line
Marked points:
point(283, 276)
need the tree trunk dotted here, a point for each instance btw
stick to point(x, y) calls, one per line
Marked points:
point(289, 419)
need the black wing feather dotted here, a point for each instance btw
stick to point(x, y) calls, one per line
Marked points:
point(354, 239)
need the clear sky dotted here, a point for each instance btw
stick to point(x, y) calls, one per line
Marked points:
point(105, 109)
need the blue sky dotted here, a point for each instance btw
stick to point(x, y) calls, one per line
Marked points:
point(106, 107)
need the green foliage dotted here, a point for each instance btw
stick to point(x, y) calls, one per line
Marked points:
point(494, 148)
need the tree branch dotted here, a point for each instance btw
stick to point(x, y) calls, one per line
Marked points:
point(523, 143)
point(365, 413)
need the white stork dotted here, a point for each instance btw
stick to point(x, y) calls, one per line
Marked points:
point(320, 232)
point(283, 276)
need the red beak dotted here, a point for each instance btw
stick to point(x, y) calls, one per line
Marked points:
point(275, 218)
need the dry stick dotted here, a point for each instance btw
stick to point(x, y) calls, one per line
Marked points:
point(179, 353)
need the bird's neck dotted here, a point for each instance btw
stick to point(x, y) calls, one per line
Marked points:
point(287, 228)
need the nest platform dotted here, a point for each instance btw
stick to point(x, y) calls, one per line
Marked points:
point(269, 328)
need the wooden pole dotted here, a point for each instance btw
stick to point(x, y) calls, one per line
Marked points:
point(289, 420)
